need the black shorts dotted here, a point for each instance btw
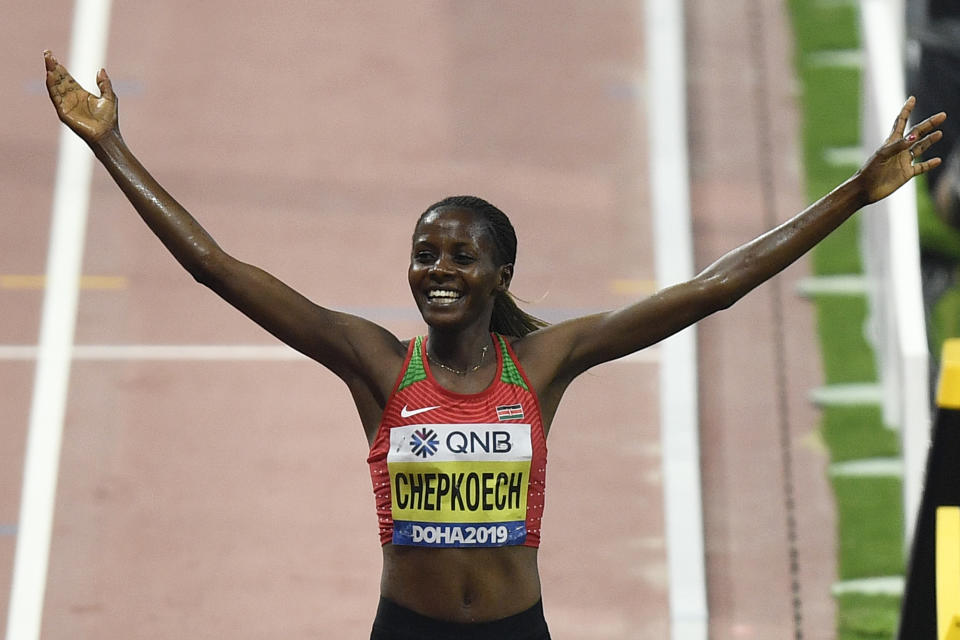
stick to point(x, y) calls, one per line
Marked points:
point(394, 622)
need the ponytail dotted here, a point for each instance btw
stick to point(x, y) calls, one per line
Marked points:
point(511, 320)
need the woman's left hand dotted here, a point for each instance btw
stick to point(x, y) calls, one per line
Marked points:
point(898, 160)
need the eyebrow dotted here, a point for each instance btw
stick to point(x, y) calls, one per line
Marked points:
point(420, 240)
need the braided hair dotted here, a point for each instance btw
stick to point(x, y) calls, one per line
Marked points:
point(507, 318)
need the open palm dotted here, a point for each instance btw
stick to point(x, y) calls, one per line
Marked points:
point(899, 159)
point(89, 116)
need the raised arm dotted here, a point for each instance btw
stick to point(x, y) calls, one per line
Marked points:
point(355, 349)
point(588, 341)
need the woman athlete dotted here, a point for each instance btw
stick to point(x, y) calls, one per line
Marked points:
point(457, 420)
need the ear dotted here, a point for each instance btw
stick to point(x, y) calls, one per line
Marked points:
point(505, 276)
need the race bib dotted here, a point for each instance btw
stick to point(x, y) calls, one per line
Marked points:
point(459, 485)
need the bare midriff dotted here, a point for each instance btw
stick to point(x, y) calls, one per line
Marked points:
point(461, 585)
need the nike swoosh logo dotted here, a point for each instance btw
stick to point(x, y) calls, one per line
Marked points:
point(407, 413)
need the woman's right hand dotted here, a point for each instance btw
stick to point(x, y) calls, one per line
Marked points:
point(89, 116)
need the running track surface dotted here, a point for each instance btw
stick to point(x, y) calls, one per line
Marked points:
point(203, 498)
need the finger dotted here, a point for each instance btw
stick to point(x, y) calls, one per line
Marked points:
point(928, 125)
point(926, 165)
point(49, 62)
point(928, 141)
point(54, 74)
point(919, 148)
point(54, 88)
point(57, 73)
point(106, 87)
point(53, 66)
point(900, 125)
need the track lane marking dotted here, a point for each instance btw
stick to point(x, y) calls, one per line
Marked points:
point(71, 198)
point(39, 281)
point(665, 117)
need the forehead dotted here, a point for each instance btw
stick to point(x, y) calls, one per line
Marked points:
point(455, 223)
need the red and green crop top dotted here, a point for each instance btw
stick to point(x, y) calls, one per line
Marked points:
point(460, 470)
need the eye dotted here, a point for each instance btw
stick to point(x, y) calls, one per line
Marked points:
point(424, 257)
point(464, 258)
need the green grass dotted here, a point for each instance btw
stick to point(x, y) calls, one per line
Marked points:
point(832, 97)
point(838, 253)
point(847, 357)
point(869, 509)
point(865, 617)
point(870, 525)
point(818, 27)
point(853, 433)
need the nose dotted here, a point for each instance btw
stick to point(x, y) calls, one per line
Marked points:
point(442, 267)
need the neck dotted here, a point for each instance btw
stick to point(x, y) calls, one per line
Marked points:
point(460, 352)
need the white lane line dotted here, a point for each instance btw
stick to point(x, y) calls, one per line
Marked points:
point(228, 352)
point(849, 58)
point(868, 468)
point(882, 585)
point(844, 156)
point(71, 197)
point(838, 285)
point(847, 395)
point(679, 424)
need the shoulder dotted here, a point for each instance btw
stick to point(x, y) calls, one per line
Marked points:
point(549, 355)
point(556, 339)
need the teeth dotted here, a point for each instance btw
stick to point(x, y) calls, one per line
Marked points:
point(443, 294)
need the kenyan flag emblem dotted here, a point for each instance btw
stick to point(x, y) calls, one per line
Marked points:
point(510, 412)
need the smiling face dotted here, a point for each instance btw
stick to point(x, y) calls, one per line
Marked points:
point(453, 274)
